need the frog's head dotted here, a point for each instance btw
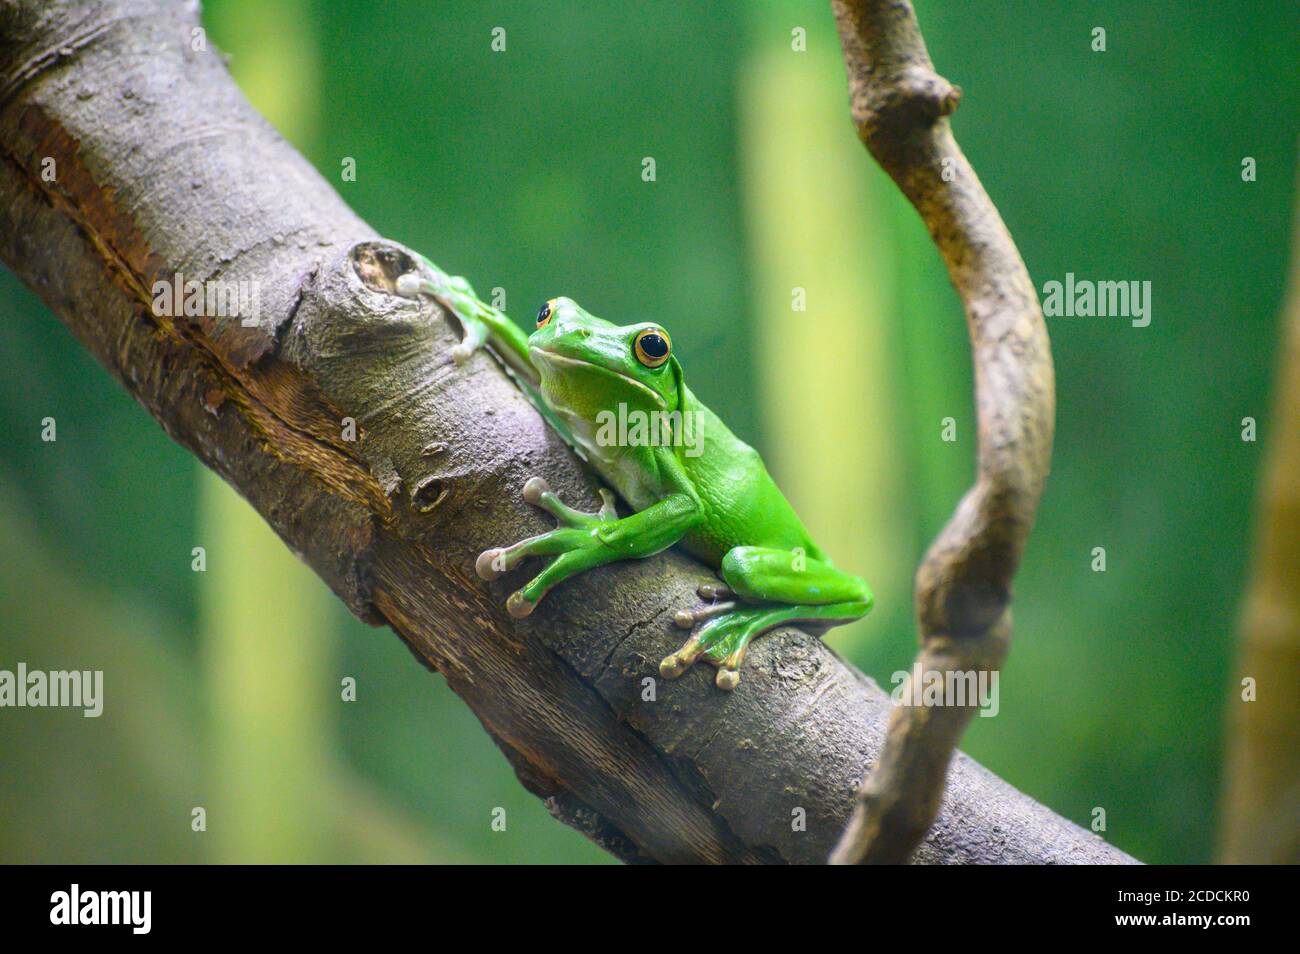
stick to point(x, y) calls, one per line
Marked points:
point(588, 365)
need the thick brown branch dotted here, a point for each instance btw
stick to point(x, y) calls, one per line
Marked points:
point(163, 168)
point(963, 587)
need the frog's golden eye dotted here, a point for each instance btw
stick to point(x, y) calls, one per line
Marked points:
point(652, 347)
point(544, 313)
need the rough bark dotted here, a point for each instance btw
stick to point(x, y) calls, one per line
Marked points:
point(162, 167)
point(900, 107)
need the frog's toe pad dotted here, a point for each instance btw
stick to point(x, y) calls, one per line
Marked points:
point(674, 664)
point(670, 667)
point(715, 591)
point(518, 606)
point(489, 564)
point(534, 488)
point(408, 285)
point(727, 679)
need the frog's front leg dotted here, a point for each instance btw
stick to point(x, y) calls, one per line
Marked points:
point(480, 323)
point(766, 588)
point(583, 541)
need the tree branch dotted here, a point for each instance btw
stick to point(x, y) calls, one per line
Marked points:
point(900, 106)
point(163, 168)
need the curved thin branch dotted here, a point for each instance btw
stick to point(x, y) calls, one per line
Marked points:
point(1261, 805)
point(164, 169)
point(900, 106)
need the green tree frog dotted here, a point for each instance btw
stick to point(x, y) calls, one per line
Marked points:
point(617, 395)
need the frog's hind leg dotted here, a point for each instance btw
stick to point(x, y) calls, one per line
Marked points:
point(771, 587)
point(773, 575)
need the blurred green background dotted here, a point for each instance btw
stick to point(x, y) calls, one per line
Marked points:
point(522, 169)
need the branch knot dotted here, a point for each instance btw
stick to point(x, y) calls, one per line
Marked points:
point(921, 95)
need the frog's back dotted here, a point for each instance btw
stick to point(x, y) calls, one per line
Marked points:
point(742, 504)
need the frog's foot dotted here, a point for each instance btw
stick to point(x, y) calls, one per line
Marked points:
point(721, 638)
point(728, 628)
point(574, 544)
point(454, 293)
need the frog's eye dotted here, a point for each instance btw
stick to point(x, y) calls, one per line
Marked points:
point(544, 313)
point(652, 347)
